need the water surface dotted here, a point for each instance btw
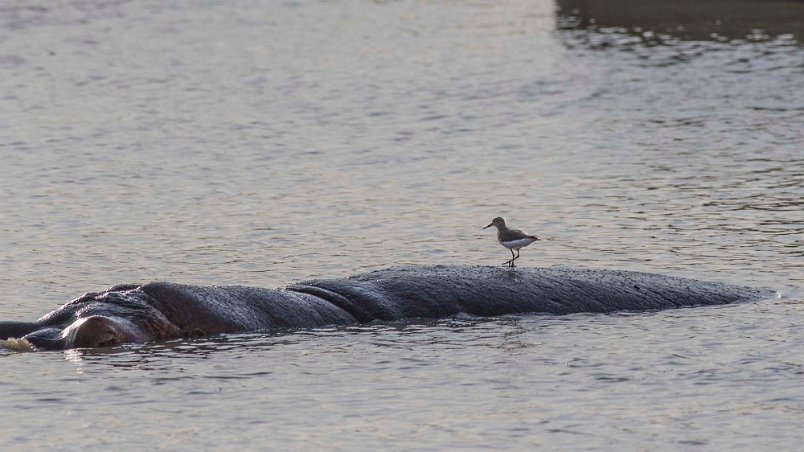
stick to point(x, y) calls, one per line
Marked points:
point(264, 143)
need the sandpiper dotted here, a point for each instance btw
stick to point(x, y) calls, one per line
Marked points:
point(513, 239)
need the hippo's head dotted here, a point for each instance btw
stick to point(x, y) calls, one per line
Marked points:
point(93, 331)
point(97, 320)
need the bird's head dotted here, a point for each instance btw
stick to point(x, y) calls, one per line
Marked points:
point(497, 222)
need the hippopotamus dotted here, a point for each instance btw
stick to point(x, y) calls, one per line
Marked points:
point(161, 310)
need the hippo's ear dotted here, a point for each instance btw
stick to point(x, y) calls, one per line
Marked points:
point(97, 331)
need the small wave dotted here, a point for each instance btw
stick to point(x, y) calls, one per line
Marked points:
point(16, 345)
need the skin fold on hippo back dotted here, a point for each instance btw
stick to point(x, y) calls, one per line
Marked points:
point(160, 310)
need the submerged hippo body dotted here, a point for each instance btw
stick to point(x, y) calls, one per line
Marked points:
point(160, 310)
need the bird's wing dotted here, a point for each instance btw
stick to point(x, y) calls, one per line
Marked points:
point(516, 234)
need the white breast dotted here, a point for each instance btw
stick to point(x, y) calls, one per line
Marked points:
point(517, 244)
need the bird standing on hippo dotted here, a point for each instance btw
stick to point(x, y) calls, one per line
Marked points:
point(513, 239)
point(161, 310)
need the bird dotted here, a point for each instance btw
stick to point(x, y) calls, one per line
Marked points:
point(513, 239)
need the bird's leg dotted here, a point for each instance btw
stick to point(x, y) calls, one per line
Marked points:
point(509, 260)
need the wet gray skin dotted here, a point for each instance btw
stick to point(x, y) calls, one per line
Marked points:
point(161, 310)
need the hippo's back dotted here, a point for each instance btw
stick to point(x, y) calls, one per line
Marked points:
point(440, 291)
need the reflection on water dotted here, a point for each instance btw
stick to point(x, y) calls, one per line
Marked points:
point(134, 355)
point(711, 94)
point(581, 380)
point(657, 21)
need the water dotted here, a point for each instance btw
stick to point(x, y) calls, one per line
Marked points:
point(265, 143)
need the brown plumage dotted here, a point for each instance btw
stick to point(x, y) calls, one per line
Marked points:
point(513, 239)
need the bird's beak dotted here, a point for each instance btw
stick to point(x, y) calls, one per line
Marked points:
point(490, 225)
